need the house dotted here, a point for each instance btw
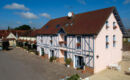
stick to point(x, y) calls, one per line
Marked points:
point(127, 36)
point(10, 35)
point(93, 38)
point(0, 43)
point(28, 39)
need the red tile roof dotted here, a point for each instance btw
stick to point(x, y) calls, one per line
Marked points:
point(5, 33)
point(84, 23)
point(33, 33)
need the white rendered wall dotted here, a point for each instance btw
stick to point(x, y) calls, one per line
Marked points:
point(109, 55)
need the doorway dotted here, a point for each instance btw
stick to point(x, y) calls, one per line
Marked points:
point(79, 62)
point(52, 53)
point(42, 51)
point(65, 55)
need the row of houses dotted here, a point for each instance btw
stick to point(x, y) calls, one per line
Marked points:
point(93, 39)
point(19, 37)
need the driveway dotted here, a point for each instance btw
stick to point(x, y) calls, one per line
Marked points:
point(17, 64)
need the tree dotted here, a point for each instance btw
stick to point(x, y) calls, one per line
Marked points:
point(5, 45)
point(9, 28)
point(74, 77)
point(23, 27)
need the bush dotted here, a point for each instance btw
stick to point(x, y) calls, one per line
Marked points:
point(52, 58)
point(43, 54)
point(5, 45)
point(36, 52)
point(68, 61)
point(25, 48)
point(74, 77)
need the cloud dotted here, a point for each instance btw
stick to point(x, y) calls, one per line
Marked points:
point(126, 2)
point(30, 22)
point(18, 22)
point(82, 2)
point(16, 6)
point(28, 15)
point(46, 15)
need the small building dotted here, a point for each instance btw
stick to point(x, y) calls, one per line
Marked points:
point(28, 39)
point(93, 38)
point(126, 37)
point(0, 44)
point(11, 36)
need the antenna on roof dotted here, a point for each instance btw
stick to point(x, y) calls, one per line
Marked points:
point(70, 14)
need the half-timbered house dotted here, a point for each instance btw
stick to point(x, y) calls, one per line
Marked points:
point(92, 38)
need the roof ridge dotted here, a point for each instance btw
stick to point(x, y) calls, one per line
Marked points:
point(113, 7)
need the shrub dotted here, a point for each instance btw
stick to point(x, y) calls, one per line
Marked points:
point(36, 52)
point(5, 45)
point(52, 58)
point(68, 61)
point(43, 54)
point(25, 48)
point(74, 77)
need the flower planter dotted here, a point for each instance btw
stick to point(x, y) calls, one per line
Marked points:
point(83, 71)
point(78, 44)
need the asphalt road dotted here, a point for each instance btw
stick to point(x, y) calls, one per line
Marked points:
point(12, 68)
point(17, 64)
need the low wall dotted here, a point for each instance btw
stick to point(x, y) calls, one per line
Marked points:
point(126, 46)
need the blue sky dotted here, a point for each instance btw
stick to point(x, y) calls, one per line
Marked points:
point(36, 13)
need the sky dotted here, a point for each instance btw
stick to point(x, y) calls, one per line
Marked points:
point(37, 13)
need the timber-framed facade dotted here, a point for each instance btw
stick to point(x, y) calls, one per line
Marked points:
point(86, 38)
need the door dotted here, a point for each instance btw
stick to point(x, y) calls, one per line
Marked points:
point(52, 53)
point(79, 62)
point(42, 51)
point(65, 55)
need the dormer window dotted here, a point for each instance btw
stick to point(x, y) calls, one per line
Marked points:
point(114, 25)
point(46, 27)
point(58, 25)
point(66, 24)
point(107, 25)
point(71, 24)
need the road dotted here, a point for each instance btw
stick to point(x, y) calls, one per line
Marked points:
point(17, 64)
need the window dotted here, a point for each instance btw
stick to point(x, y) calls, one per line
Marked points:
point(79, 42)
point(42, 51)
point(65, 39)
point(107, 25)
point(58, 25)
point(114, 41)
point(66, 24)
point(51, 40)
point(114, 25)
point(79, 39)
point(107, 42)
point(41, 40)
point(71, 24)
point(46, 27)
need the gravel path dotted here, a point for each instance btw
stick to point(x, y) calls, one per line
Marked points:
point(17, 64)
point(114, 74)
